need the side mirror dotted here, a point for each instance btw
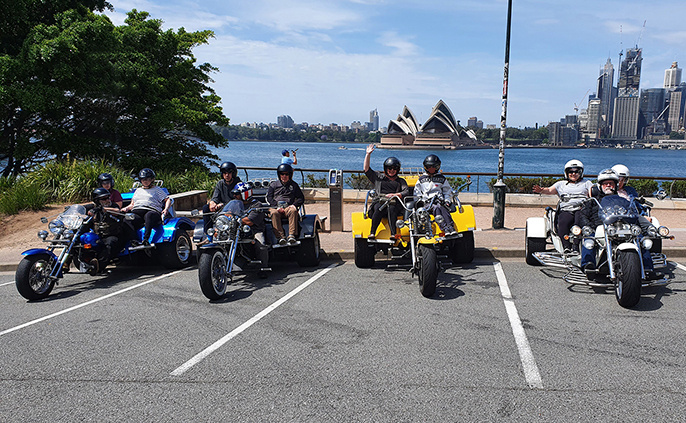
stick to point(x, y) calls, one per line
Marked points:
point(43, 220)
point(661, 195)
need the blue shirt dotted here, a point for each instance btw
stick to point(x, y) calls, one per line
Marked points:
point(286, 160)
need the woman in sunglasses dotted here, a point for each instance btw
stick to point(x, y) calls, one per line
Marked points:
point(572, 192)
point(387, 184)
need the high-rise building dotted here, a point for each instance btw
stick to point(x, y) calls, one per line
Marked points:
point(284, 121)
point(625, 116)
point(672, 76)
point(593, 122)
point(630, 73)
point(625, 119)
point(652, 104)
point(677, 100)
point(472, 121)
point(374, 120)
point(555, 133)
point(605, 81)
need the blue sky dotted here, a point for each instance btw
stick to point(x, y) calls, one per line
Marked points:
point(334, 61)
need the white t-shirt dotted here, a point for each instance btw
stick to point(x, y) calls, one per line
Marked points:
point(577, 192)
point(151, 198)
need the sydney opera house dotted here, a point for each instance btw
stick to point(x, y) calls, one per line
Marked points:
point(441, 130)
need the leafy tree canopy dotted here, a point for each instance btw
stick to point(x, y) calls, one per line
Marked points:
point(72, 83)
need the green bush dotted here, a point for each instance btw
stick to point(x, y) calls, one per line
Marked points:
point(358, 181)
point(189, 181)
point(6, 183)
point(312, 181)
point(23, 196)
point(675, 189)
point(523, 185)
point(644, 187)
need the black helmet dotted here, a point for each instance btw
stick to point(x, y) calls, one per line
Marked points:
point(391, 163)
point(104, 177)
point(432, 160)
point(146, 173)
point(285, 168)
point(100, 194)
point(228, 167)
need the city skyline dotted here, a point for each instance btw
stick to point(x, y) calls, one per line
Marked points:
point(334, 61)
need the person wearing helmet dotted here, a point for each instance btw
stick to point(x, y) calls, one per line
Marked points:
point(243, 201)
point(387, 184)
point(573, 191)
point(623, 189)
point(150, 204)
point(285, 197)
point(106, 180)
point(110, 228)
point(432, 183)
point(286, 159)
point(222, 192)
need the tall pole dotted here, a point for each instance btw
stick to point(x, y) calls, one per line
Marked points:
point(500, 188)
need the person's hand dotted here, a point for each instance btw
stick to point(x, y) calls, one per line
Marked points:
point(293, 152)
point(370, 148)
point(163, 215)
point(537, 189)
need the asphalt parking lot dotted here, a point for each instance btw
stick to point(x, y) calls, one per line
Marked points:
point(499, 341)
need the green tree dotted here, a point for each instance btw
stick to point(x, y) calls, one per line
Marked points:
point(71, 83)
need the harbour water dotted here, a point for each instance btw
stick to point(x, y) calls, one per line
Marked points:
point(349, 156)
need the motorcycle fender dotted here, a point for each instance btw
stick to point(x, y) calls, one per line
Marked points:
point(464, 221)
point(624, 246)
point(199, 231)
point(166, 232)
point(423, 240)
point(309, 225)
point(36, 251)
point(536, 227)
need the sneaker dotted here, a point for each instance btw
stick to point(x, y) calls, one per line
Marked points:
point(451, 233)
point(291, 239)
point(146, 243)
point(371, 237)
point(282, 241)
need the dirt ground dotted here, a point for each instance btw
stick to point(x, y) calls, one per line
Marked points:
point(18, 232)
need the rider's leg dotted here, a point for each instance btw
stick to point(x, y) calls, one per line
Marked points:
point(152, 219)
point(276, 224)
point(376, 216)
point(565, 220)
point(448, 225)
point(292, 214)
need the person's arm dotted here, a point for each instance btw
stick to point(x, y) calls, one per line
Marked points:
point(295, 159)
point(299, 199)
point(367, 156)
point(547, 191)
point(270, 195)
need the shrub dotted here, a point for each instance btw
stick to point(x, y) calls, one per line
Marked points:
point(523, 185)
point(358, 181)
point(644, 187)
point(188, 181)
point(23, 195)
point(675, 189)
point(313, 182)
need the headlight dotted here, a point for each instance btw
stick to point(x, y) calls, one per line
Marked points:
point(56, 226)
point(663, 231)
point(210, 231)
point(636, 230)
point(587, 231)
point(576, 230)
point(611, 230)
point(652, 231)
point(43, 235)
point(400, 223)
point(246, 228)
point(222, 223)
point(68, 234)
point(588, 244)
point(647, 243)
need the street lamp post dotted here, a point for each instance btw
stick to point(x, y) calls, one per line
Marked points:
point(499, 188)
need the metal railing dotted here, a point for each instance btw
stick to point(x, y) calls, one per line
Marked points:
point(478, 175)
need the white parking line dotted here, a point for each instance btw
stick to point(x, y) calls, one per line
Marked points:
point(681, 266)
point(87, 303)
point(6, 283)
point(209, 350)
point(533, 377)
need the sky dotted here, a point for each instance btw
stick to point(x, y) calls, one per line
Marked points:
point(333, 61)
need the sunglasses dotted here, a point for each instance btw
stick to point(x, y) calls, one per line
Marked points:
point(577, 171)
point(281, 174)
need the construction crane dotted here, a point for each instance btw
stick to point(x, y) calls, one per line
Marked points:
point(576, 107)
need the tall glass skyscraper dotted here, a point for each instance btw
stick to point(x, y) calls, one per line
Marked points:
point(605, 81)
point(625, 116)
point(672, 76)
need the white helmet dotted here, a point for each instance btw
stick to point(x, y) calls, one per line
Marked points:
point(574, 164)
point(621, 170)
